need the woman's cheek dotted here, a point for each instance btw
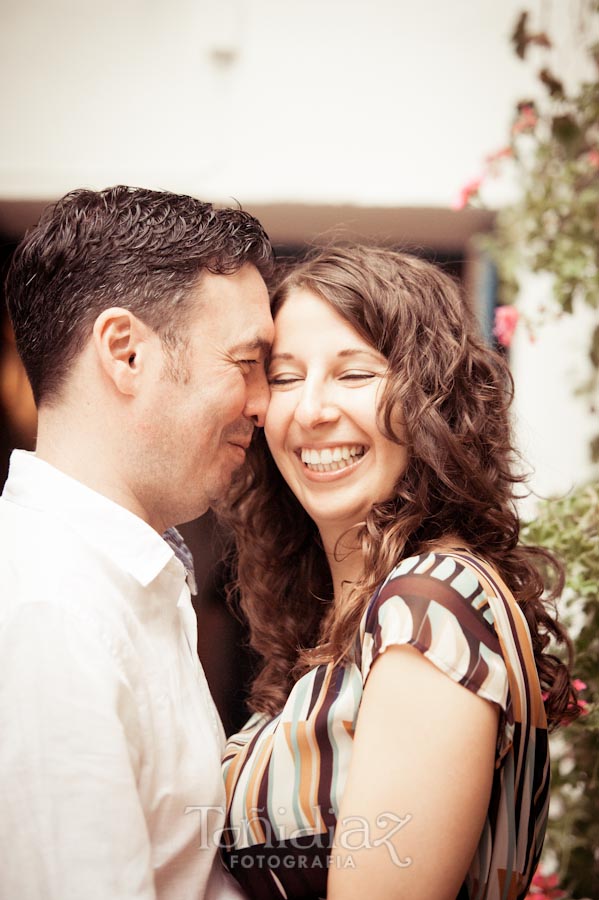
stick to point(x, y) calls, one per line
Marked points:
point(272, 425)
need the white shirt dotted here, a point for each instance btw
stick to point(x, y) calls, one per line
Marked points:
point(110, 744)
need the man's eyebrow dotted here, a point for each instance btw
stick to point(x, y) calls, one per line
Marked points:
point(257, 344)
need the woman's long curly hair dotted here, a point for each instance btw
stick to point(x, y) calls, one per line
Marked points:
point(452, 394)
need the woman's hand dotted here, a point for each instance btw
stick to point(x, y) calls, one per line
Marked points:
point(418, 787)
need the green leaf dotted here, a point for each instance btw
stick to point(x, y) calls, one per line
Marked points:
point(565, 129)
point(566, 299)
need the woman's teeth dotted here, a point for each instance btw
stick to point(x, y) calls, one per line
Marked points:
point(330, 459)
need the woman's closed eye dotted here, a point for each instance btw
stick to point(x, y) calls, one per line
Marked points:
point(357, 376)
point(283, 378)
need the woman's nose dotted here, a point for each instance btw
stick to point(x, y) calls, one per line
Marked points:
point(315, 406)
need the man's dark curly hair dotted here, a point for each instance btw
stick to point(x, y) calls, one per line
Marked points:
point(140, 249)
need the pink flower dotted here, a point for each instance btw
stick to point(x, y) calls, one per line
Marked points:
point(545, 887)
point(583, 706)
point(527, 119)
point(466, 193)
point(499, 154)
point(593, 158)
point(506, 319)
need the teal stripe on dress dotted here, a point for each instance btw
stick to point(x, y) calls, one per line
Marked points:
point(271, 800)
point(352, 679)
point(445, 570)
point(403, 568)
point(488, 615)
point(467, 584)
point(442, 621)
point(488, 689)
point(396, 616)
point(483, 857)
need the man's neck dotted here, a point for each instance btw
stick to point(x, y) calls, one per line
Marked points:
point(87, 457)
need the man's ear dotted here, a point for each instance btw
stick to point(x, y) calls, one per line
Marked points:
point(123, 344)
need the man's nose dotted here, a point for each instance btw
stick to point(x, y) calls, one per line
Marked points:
point(258, 398)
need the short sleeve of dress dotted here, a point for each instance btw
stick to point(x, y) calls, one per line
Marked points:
point(437, 605)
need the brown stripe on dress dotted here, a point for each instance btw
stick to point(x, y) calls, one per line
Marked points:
point(246, 760)
point(477, 670)
point(317, 682)
point(321, 727)
point(427, 586)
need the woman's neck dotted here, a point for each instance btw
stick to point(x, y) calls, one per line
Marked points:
point(346, 561)
point(344, 555)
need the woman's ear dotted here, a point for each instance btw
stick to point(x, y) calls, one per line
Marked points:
point(122, 343)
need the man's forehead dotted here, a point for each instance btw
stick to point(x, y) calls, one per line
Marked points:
point(234, 311)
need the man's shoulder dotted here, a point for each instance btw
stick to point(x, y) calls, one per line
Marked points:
point(55, 591)
point(44, 559)
point(29, 534)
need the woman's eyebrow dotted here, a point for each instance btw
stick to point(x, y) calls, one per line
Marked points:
point(274, 356)
point(360, 351)
point(350, 351)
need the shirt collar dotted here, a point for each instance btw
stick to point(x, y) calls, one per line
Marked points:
point(115, 531)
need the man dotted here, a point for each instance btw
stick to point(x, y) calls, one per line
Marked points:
point(143, 321)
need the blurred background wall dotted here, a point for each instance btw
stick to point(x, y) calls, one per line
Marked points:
point(322, 117)
point(390, 102)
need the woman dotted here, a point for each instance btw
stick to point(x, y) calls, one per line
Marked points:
point(399, 742)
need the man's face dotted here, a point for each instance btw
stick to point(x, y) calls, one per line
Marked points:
point(205, 400)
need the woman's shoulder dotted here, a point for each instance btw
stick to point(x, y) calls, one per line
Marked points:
point(455, 608)
point(441, 604)
point(453, 577)
point(442, 589)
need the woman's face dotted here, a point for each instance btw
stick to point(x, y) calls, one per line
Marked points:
point(321, 425)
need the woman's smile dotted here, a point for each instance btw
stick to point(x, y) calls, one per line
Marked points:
point(336, 459)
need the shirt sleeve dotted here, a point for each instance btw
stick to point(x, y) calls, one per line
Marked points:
point(437, 606)
point(71, 824)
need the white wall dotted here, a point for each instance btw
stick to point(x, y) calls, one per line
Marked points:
point(387, 102)
point(554, 421)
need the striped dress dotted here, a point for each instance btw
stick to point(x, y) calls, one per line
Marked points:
point(285, 775)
